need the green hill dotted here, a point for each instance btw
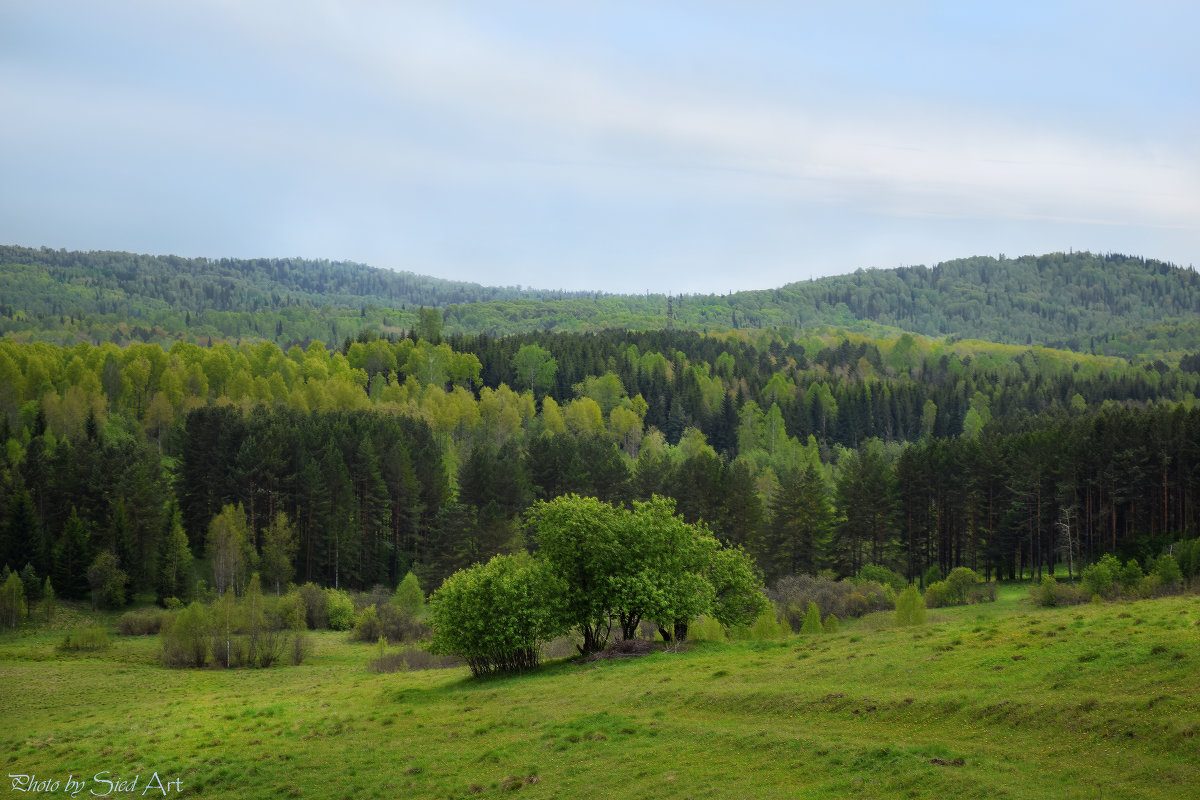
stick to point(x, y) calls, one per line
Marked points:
point(1108, 304)
point(985, 701)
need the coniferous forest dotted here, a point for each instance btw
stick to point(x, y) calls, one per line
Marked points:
point(1007, 415)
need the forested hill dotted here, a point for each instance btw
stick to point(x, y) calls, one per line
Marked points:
point(1109, 304)
point(120, 280)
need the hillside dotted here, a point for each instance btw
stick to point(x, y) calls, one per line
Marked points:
point(986, 701)
point(1110, 304)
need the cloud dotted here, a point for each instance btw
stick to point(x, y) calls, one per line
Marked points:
point(518, 111)
point(448, 135)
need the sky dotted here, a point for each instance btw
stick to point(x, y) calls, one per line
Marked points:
point(677, 147)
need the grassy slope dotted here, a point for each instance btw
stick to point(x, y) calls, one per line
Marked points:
point(1088, 702)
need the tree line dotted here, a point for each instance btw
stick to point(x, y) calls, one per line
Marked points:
point(818, 452)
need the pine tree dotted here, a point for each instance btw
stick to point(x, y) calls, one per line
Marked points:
point(801, 520)
point(72, 555)
point(279, 551)
point(174, 560)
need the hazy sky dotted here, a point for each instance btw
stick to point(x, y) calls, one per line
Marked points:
point(624, 146)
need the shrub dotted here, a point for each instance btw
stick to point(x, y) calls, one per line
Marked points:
point(960, 580)
point(409, 598)
point(1045, 593)
point(910, 607)
point(1168, 572)
point(94, 638)
point(378, 595)
point(495, 616)
point(1050, 593)
point(883, 576)
point(366, 626)
point(939, 595)
point(812, 620)
point(316, 607)
point(766, 627)
point(340, 610)
point(707, 629)
point(857, 604)
point(1130, 576)
point(840, 598)
point(1187, 553)
point(290, 615)
point(1097, 580)
point(390, 622)
point(143, 622)
point(831, 624)
point(982, 592)
point(932, 575)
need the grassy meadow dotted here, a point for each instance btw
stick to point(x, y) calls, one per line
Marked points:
point(1002, 700)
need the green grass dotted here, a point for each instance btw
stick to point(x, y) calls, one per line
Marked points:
point(999, 700)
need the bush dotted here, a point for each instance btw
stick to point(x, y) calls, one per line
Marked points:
point(857, 604)
point(390, 622)
point(1168, 572)
point(982, 593)
point(366, 626)
point(812, 620)
point(910, 607)
point(1187, 553)
point(840, 598)
point(882, 576)
point(340, 610)
point(766, 627)
point(939, 595)
point(932, 575)
point(1130, 576)
point(1050, 593)
point(960, 587)
point(1100, 579)
point(290, 615)
point(707, 629)
point(495, 616)
point(409, 598)
point(1045, 594)
point(316, 607)
point(143, 622)
point(378, 595)
point(960, 580)
point(831, 624)
point(94, 638)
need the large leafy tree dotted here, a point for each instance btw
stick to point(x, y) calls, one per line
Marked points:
point(535, 368)
point(625, 566)
point(579, 537)
point(229, 549)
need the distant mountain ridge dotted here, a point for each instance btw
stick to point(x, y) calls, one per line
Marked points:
point(1111, 303)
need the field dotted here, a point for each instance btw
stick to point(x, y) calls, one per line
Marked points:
point(992, 701)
